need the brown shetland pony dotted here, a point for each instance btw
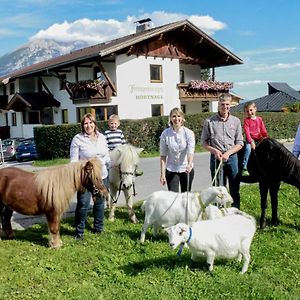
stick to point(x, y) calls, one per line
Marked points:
point(48, 192)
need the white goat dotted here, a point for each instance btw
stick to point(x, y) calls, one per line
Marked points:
point(166, 208)
point(214, 212)
point(228, 237)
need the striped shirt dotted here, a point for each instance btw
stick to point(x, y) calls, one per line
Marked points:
point(114, 138)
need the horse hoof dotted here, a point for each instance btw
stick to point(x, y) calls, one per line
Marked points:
point(275, 222)
point(263, 224)
point(111, 219)
point(134, 220)
point(55, 245)
point(7, 235)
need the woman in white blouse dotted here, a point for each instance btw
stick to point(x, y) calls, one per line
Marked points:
point(85, 145)
point(177, 147)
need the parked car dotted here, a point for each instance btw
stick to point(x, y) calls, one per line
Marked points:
point(26, 150)
point(9, 147)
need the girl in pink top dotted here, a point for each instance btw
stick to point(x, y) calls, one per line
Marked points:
point(255, 131)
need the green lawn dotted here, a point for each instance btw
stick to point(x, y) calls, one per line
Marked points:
point(115, 265)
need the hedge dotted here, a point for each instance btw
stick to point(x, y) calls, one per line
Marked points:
point(53, 141)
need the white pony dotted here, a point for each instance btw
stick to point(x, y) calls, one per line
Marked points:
point(122, 173)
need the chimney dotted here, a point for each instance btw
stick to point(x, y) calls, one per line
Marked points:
point(142, 25)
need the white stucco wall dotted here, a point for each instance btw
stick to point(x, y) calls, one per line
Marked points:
point(135, 91)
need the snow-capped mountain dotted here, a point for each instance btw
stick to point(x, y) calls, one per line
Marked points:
point(36, 51)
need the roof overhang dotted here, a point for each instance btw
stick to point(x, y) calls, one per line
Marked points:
point(31, 101)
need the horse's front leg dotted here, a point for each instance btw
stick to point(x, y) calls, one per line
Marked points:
point(112, 208)
point(129, 202)
point(274, 188)
point(7, 231)
point(53, 220)
point(263, 189)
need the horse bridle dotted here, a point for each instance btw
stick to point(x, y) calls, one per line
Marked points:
point(120, 185)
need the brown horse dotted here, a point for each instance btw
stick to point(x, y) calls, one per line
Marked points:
point(48, 192)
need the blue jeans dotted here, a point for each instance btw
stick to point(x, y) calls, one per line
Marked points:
point(82, 207)
point(247, 153)
point(229, 171)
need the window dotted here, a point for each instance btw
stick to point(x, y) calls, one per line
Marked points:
point(97, 73)
point(31, 117)
point(62, 79)
point(155, 73)
point(12, 88)
point(100, 112)
point(156, 110)
point(181, 75)
point(14, 119)
point(64, 116)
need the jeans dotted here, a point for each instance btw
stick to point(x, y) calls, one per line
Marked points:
point(229, 171)
point(82, 207)
point(174, 178)
point(247, 153)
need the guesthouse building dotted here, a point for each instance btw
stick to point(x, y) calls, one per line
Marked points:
point(140, 75)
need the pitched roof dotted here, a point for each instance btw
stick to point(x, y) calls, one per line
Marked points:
point(283, 87)
point(196, 39)
point(280, 95)
point(32, 101)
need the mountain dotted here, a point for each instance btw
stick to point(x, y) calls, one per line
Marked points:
point(36, 51)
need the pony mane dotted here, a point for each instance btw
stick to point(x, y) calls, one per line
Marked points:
point(57, 185)
point(278, 154)
point(125, 154)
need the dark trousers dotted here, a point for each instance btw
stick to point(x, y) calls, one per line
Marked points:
point(229, 171)
point(174, 178)
point(82, 208)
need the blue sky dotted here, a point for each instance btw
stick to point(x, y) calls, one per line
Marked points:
point(264, 34)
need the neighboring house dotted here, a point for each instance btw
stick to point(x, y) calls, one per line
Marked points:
point(137, 76)
point(280, 95)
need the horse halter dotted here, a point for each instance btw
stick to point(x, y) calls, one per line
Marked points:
point(121, 183)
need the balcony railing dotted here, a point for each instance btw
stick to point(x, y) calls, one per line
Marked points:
point(94, 91)
point(202, 90)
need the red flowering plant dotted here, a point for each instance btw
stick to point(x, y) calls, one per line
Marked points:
point(210, 85)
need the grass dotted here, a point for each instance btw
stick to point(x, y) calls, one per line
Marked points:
point(115, 265)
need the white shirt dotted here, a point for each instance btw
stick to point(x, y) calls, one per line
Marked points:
point(296, 148)
point(82, 147)
point(176, 146)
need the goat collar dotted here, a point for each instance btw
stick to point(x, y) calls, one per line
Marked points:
point(190, 235)
point(188, 240)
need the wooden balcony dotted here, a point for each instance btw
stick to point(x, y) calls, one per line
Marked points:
point(89, 91)
point(200, 90)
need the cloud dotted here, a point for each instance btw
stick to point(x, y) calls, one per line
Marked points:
point(278, 66)
point(269, 51)
point(97, 31)
point(251, 82)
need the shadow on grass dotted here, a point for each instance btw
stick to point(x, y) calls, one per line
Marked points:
point(39, 235)
point(169, 262)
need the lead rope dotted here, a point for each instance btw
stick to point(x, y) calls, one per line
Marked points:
point(187, 200)
point(217, 172)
